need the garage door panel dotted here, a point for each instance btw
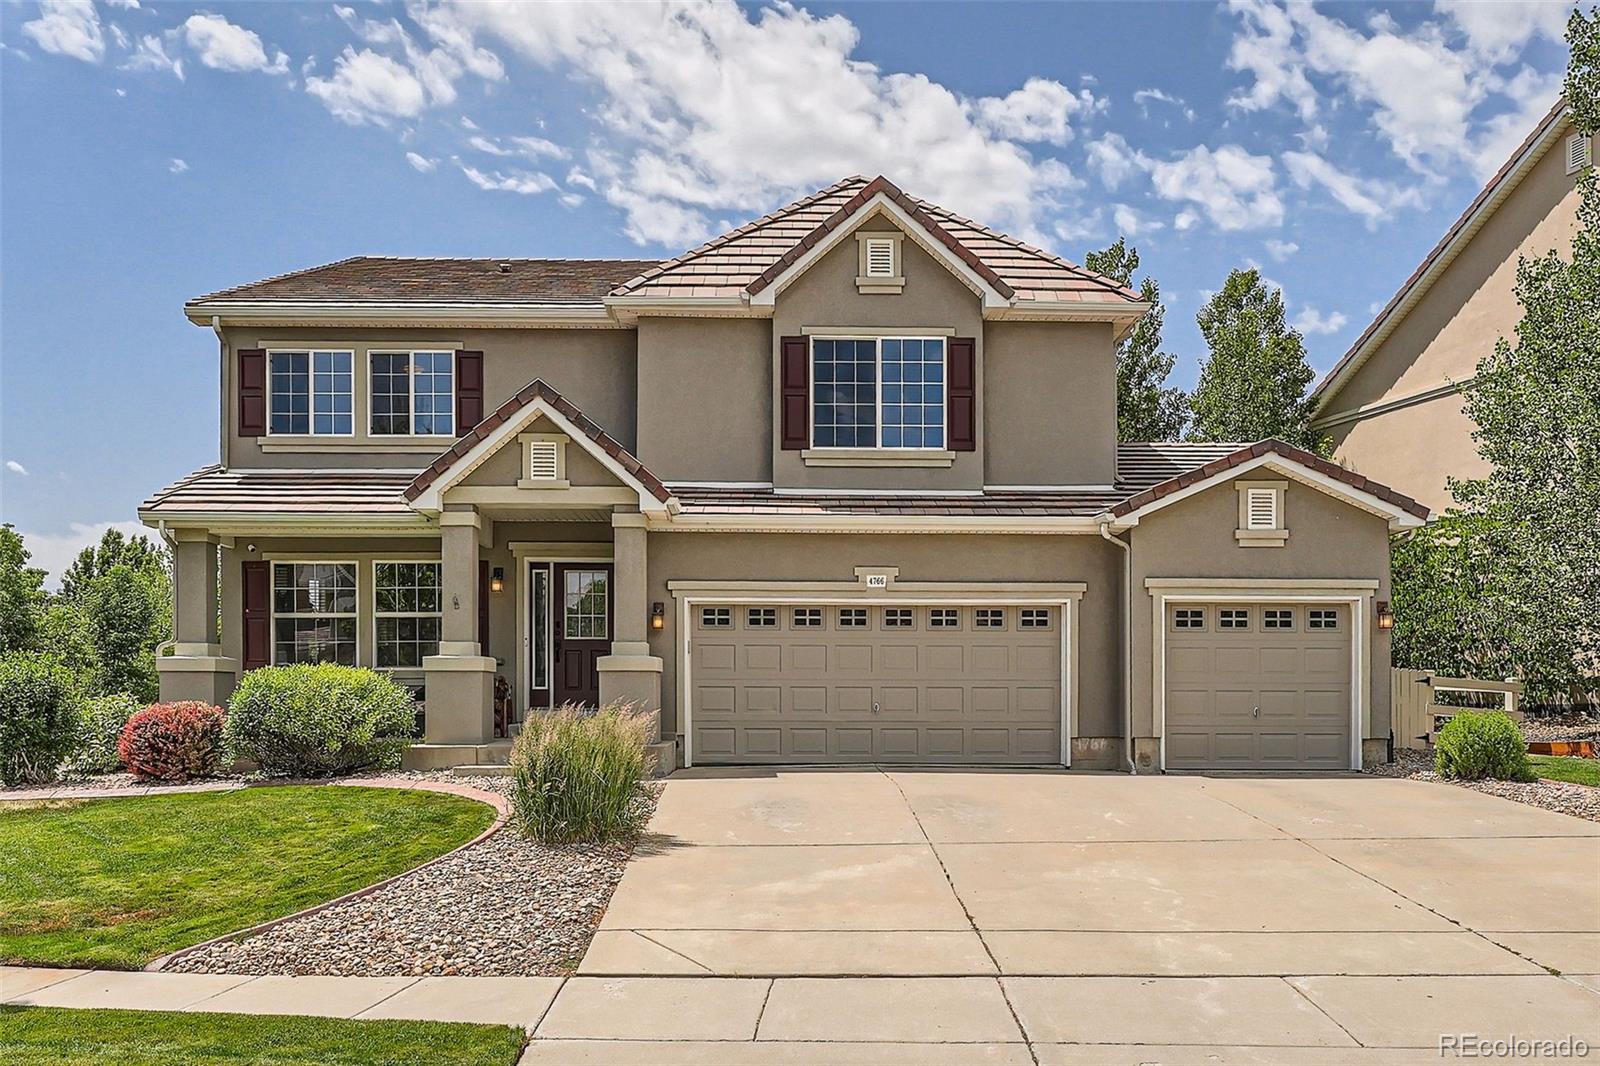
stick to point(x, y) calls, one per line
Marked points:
point(898, 743)
point(714, 656)
point(713, 700)
point(808, 743)
point(808, 700)
point(763, 741)
point(852, 700)
point(1327, 662)
point(1183, 660)
point(1038, 660)
point(809, 658)
point(853, 658)
point(764, 701)
point(1282, 661)
point(947, 700)
point(896, 701)
point(991, 660)
point(1228, 659)
point(944, 660)
point(900, 658)
point(990, 699)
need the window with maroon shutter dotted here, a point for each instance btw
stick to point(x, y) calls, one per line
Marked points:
point(469, 391)
point(252, 392)
point(963, 415)
point(795, 374)
point(257, 602)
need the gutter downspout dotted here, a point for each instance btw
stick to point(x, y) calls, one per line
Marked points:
point(1127, 643)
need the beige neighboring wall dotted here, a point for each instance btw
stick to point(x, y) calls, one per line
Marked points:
point(1194, 538)
point(825, 295)
point(594, 368)
point(707, 388)
point(1050, 393)
point(1469, 306)
point(920, 557)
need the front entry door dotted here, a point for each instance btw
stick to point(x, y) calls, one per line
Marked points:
point(582, 630)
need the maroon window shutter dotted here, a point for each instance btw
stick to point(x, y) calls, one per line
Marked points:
point(483, 607)
point(257, 615)
point(963, 399)
point(252, 392)
point(795, 374)
point(469, 391)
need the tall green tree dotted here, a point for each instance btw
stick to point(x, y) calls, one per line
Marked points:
point(1254, 378)
point(114, 549)
point(1147, 408)
point(22, 596)
point(125, 624)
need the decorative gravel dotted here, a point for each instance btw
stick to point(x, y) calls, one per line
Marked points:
point(1572, 726)
point(506, 907)
point(1580, 801)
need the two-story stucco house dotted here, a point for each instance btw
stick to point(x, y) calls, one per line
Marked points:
point(841, 485)
point(1393, 402)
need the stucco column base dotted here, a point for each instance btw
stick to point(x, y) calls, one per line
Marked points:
point(631, 679)
point(460, 699)
point(1374, 752)
point(1147, 755)
point(211, 678)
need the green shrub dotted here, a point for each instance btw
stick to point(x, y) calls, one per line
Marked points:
point(176, 741)
point(1472, 746)
point(101, 720)
point(310, 721)
point(38, 717)
point(577, 773)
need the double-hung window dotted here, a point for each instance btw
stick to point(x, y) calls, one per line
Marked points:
point(881, 392)
point(408, 612)
point(314, 613)
point(312, 392)
point(413, 393)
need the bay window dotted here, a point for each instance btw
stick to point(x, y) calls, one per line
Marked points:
point(880, 392)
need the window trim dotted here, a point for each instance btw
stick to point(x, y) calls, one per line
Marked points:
point(815, 454)
point(377, 614)
point(870, 284)
point(1275, 536)
point(310, 351)
point(273, 614)
point(411, 396)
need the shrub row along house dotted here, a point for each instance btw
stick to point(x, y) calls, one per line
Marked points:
point(840, 485)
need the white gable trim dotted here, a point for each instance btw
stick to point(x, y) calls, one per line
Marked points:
point(992, 299)
point(1398, 517)
point(505, 434)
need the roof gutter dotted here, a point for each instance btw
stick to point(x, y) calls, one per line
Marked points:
point(1127, 643)
point(359, 312)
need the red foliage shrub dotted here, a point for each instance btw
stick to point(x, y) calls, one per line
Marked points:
point(173, 741)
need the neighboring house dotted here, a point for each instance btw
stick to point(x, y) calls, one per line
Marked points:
point(1393, 403)
point(841, 485)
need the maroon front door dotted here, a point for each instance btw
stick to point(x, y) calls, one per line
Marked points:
point(582, 630)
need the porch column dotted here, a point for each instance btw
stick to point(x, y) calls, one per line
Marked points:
point(630, 674)
point(197, 669)
point(460, 679)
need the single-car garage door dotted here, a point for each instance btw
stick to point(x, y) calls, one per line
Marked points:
point(940, 683)
point(1258, 686)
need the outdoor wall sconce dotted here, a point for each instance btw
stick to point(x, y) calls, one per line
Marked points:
point(1385, 616)
point(497, 579)
point(658, 616)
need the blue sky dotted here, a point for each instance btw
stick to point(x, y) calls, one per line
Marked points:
point(155, 151)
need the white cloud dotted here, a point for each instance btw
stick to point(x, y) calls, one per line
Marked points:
point(1314, 322)
point(1498, 31)
point(16, 468)
point(712, 111)
point(368, 87)
point(1280, 250)
point(68, 28)
point(151, 54)
point(526, 183)
point(1113, 160)
point(488, 146)
point(221, 45)
point(1130, 223)
point(1266, 50)
point(422, 163)
point(178, 166)
point(1372, 199)
point(570, 200)
point(436, 70)
point(535, 147)
point(1144, 97)
point(54, 552)
point(127, 5)
point(1235, 189)
point(1532, 94)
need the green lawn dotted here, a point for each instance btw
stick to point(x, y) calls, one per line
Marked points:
point(118, 882)
point(1565, 768)
point(47, 1036)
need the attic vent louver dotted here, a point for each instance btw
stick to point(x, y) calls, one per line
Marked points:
point(543, 460)
point(505, 268)
point(880, 257)
point(1577, 153)
point(1262, 509)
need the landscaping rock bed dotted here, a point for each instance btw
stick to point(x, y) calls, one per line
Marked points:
point(1574, 726)
point(1580, 801)
point(506, 907)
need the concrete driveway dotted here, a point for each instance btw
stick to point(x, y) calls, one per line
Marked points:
point(923, 916)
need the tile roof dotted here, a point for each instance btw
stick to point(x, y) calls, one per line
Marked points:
point(213, 490)
point(746, 260)
point(431, 281)
point(536, 390)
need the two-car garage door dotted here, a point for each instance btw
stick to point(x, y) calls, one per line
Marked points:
point(873, 682)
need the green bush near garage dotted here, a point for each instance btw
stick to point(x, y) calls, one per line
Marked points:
point(38, 717)
point(316, 720)
point(578, 774)
point(101, 720)
point(1473, 746)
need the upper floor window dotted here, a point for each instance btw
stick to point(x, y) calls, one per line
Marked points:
point(312, 392)
point(413, 393)
point(885, 392)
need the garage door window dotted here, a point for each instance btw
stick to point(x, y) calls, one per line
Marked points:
point(1189, 618)
point(1233, 618)
point(852, 618)
point(991, 618)
point(944, 618)
point(808, 617)
point(716, 617)
point(1277, 618)
point(897, 618)
point(1035, 618)
point(761, 617)
point(1322, 618)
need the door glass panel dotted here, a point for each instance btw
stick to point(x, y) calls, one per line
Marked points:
point(539, 625)
point(584, 605)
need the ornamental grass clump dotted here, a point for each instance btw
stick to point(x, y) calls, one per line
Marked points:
point(1473, 746)
point(313, 721)
point(577, 774)
point(173, 741)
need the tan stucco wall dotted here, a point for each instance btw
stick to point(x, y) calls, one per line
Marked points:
point(1194, 537)
point(826, 295)
point(920, 557)
point(1468, 308)
point(707, 388)
point(1051, 390)
point(504, 468)
point(594, 368)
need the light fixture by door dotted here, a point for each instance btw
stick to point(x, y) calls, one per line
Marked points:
point(1385, 615)
point(497, 579)
point(658, 616)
